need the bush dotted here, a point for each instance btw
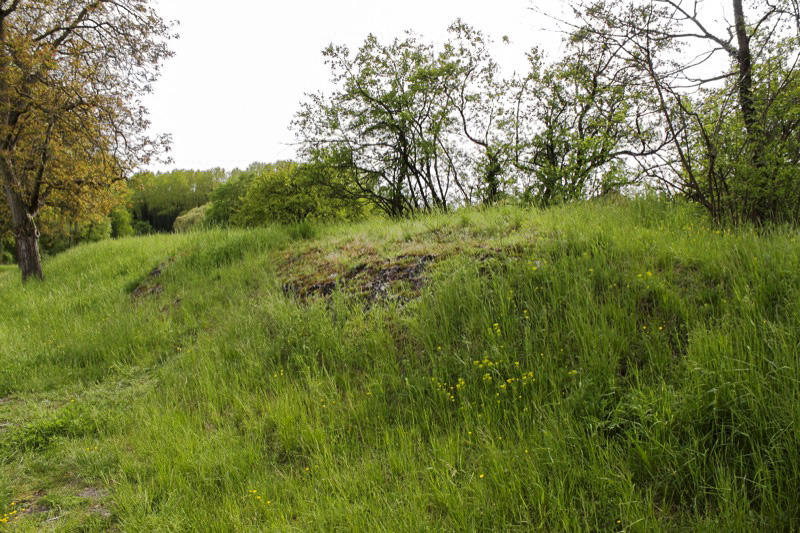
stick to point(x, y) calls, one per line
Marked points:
point(226, 198)
point(285, 192)
point(191, 219)
point(121, 223)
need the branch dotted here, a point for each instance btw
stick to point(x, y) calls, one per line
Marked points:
point(704, 33)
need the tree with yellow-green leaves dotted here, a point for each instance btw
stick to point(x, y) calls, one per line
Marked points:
point(71, 122)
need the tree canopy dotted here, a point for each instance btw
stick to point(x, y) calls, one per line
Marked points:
point(725, 94)
point(71, 123)
point(402, 127)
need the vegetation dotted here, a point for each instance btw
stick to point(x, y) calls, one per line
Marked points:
point(157, 199)
point(727, 129)
point(286, 192)
point(396, 127)
point(641, 98)
point(388, 333)
point(647, 96)
point(603, 366)
point(71, 74)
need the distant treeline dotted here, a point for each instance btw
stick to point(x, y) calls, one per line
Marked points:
point(281, 192)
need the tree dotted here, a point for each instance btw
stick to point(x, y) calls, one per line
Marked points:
point(410, 128)
point(226, 198)
point(390, 128)
point(62, 223)
point(726, 93)
point(71, 74)
point(476, 94)
point(287, 192)
point(575, 122)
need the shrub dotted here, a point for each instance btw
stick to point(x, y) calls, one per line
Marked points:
point(191, 219)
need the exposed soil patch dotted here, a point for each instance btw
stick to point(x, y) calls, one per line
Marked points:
point(93, 493)
point(149, 285)
point(363, 272)
point(143, 290)
point(409, 269)
point(373, 279)
point(100, 510)
point(35, 508)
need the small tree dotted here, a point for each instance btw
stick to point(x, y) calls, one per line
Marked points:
point(226, 198)
point(576, 122)
point(71, 73)
point(388, 127)
point(476, 95)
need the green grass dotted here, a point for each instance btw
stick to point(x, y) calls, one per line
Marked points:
point(619, 367)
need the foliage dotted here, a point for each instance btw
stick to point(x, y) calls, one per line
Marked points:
point(60, 232)
point(159, 198)
point(476, 96)
point(6, 250)
point(575, 122)
point(285, 192)
point(410, 128)
point(121, 223)
point(407, 127)
point(640, 97)
point(6, 236)
point(61, 226)
point(727, 131)
point(71, 74)
point(226, 198)
point(192, 219)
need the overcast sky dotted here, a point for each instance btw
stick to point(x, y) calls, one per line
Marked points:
point(241, 67)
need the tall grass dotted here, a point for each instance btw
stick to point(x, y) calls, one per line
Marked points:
point(591, 367)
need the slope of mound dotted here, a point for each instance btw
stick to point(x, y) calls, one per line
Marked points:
point(592, 367)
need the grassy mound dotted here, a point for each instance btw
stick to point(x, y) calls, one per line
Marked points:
point(592, 367)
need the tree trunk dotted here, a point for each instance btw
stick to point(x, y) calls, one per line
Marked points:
point(26, 236)
point(744, 61)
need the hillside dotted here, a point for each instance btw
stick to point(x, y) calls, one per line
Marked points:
point(601, 367)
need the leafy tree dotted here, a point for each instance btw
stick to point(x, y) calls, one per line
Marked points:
point(60, 231)
point(477, 97)
point(575, 122)
point(387, 126)
point(286, 192)
point(71, 73)
point(725, 92)
point(226, 198)
point(410, 128)
point(121, 223)
point(63, 224)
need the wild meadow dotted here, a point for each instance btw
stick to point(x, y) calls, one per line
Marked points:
point(604, 366)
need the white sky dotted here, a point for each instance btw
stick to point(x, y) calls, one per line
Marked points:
point(241, 67)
